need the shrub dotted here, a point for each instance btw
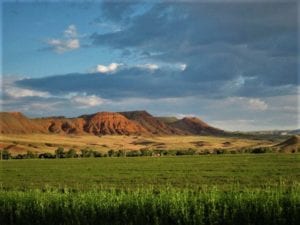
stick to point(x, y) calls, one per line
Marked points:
point(146, 152)
point(46, 155)
point(60, 152)
point(31, 155)
point(110, 153)
point(261, 150)
point(133, 153)
point(71, 153)
point(85, 153)
point(5, 154)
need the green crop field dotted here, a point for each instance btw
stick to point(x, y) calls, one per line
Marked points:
point(209, 189)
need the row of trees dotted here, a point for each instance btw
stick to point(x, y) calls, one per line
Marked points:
point(86, 153)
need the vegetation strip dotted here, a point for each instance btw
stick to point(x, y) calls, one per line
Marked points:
point(278, 206)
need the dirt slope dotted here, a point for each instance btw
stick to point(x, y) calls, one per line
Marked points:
point(290, 145)
point(16, 122)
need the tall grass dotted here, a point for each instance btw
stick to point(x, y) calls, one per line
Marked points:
point(274, 205)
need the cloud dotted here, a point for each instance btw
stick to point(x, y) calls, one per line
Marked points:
point(10, 89)
point(86, 101)
point(111, 68)
point(149, 66)
point(21, 93)
point(69, 42)
point(71, 31)
point(183, 66)
point(257, 104)
point(253, 104)
point(217, 41)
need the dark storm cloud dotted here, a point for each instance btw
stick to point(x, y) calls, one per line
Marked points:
point(217, 41)
point(230, 49)
point(140, 83)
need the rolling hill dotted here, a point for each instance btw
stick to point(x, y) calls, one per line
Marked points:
point(292, 144)
point(195, 126)
point(106, 123)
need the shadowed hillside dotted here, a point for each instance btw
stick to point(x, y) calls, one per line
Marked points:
point(152, 124)
point(290, 145)
point(195, 126)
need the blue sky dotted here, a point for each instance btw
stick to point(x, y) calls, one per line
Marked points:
point(232, 63)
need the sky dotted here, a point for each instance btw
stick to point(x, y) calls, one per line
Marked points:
point(232, 63)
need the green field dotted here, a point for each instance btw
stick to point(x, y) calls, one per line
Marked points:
point(245, 170)
point(209, 189)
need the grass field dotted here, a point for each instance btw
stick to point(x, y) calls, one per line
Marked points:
point(247, 170)
point(210, 189)
point(41, 143)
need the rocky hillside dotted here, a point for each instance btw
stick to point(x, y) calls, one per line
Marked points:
point(105, 123)
point(292, 144)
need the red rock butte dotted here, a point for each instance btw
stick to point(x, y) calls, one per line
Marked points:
point(106, 123)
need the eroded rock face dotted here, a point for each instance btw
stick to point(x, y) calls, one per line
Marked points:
point(111, 123)
point(104, 123)
point(152, 124)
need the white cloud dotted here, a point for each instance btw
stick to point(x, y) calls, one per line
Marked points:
point(16, 92)
point(149, 66)
point(69, 42)
point(108, 69)
point(13, 91)
point(254, 104)
point(182, 66)
point(257, 104)
point(86, 101)
point(71, 31)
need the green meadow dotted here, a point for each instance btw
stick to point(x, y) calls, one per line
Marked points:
point(207, 189)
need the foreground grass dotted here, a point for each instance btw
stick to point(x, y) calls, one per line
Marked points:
point(243, 189)
point(278, 206)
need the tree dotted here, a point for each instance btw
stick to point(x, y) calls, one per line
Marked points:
point(71, 153)
point(111, 153)
point(5, 154)
point(31, 155)
point(59, 152)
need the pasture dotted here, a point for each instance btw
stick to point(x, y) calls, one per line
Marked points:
point(208, 189)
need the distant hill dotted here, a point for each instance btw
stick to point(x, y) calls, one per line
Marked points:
point(16, 122)
point(106, 123)
point(296, 132)
point(195, 126)
point(292, 144)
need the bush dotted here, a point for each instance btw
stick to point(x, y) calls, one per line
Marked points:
point(59, 152)
point(133, 153)
point(5, 154)
point(71, 153)
point(85, 153)
point(31, 155)
point(110, 153)
point(261, 150)
point(46, 155)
